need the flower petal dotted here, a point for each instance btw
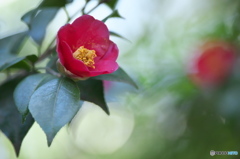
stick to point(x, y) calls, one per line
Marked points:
point(105, 67)
point(68, 34)
point(93, 35)
point(68, 61)
point(111, 53)
point(89, 28)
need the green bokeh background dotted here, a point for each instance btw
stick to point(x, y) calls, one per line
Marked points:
point(168, 117)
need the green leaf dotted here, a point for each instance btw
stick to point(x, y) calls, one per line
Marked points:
point(8, 61)
point(92, 91)
point(32, 58)
point(54, 104)
point(11, 44)
point(27, 17)
point(119, 36)
point(119, 76)
point(29, 86)
point(10, 119)
point(111, 3)
point(114, 14)
point(11, 61)
point(38, 20)
point(26, 63)
point(55, 3)
point(23, 64)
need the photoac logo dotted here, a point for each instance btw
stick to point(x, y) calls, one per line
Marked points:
point(212, 152)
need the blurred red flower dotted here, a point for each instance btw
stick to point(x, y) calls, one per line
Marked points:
point(84, 48)
point(214, 63)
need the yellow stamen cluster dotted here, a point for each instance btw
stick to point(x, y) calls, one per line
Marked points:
point(86, 56)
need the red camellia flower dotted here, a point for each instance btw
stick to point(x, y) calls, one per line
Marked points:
point(84, 48)
point(214, 63)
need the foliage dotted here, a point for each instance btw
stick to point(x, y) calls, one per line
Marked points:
point(49, 98)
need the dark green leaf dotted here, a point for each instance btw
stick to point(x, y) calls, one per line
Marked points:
point(119, 76)
point(114, 14)
point(50, 4)
point(55, 3)
point(32, 58)
point(23, 64)
point(38, 21)
point(54, 104)
point(111, 3)
point(11, 61)
point(11, 44)
point(8, 61)
point(10, 119)
point(27, 17)
point(28, 86)
point(26, 63)
point(39, 18)
point(117, 35)
point(92, 91)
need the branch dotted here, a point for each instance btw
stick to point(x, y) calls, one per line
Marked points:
point(99, 3)
point(19, 74)
point(46, 54)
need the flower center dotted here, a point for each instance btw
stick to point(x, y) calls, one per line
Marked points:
point(86, 56)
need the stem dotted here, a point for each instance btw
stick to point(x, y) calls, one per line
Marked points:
point(48, 51)
point(99, 3)
point(50, 71)
point(73, 15)
point(51, 43)
point(8, 73)
point(67, 14)
point(83, 12)
point(19, 74)
point(38, 51)
point(46, 54)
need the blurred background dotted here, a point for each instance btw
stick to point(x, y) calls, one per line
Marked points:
point(183, 54)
